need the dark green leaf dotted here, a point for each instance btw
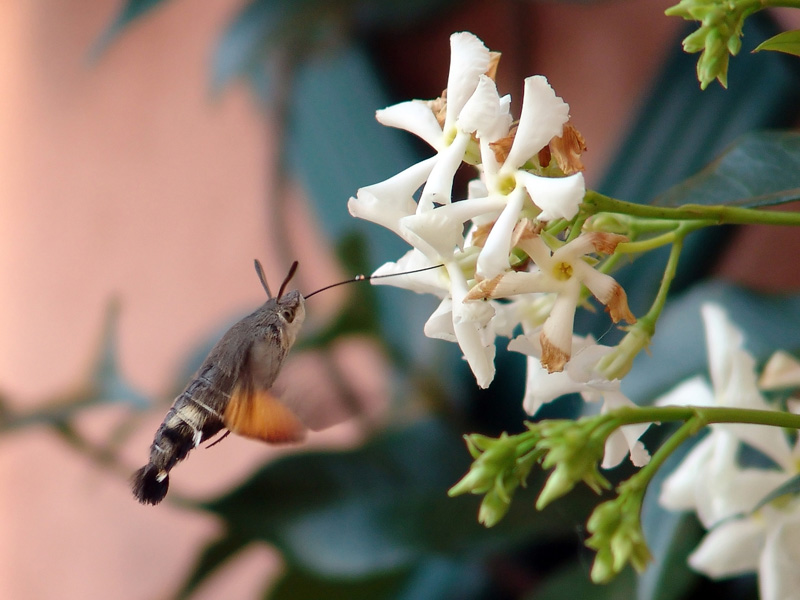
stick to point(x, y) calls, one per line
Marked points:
point(678, 349)
point(788, 42)
point(131, 11)
point(433, 579)
point(671, 537)
point(381, 508)
point(295, 28)
point(573, 582)
point(760, 169)
point(296, 584)
point(359, 315)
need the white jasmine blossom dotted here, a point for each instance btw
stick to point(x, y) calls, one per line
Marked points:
point(580, 377)
point(472, 238)
point(744, 536)
point(563, 272)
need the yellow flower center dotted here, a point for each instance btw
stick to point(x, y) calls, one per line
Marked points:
point(562, 271)
point(450, 135)
point(506, 184)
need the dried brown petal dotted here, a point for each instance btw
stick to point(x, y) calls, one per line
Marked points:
point(494, 60)
point(484, 289)
point(617, 306)
point(480, 233)
point(553, 358)
point(502, 147)
point(545, 156)
point(604, 242)
point(567, 149)
point(438, 107)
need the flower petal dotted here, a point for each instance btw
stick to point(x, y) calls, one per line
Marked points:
point(387, 202)
point(469, 59)
point(606, 289)
point(439, 186)
point(781, 371)
point(778, 575)
point(493, 259)
point(625, 440)
point(558, 197)
point(732, 548)
point(414, 116)
point(556, 336)
point(543, 116)
point(513, 283)
point(484, 113)
point(440, 324)
point(432, 281)
point(541, 387)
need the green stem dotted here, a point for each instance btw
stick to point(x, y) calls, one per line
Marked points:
point(640, 480)
point(708, 414)
point(594, 203)
point(666, 281)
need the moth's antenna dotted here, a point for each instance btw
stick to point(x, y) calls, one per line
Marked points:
point(286, 281)
point(262, 278)
point(369, 278)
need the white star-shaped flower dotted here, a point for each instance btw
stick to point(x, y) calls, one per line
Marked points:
point(579, 376)
point(564, 272)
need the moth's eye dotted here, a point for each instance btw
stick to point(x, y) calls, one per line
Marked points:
point(288, 315)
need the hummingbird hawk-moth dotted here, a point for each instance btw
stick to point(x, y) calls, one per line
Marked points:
point(231, 389)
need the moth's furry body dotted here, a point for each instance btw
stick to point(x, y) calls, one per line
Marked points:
point(230, 390)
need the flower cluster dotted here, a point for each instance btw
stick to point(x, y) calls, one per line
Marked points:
point(516, 235)
point(751, 512)
point(718, 37)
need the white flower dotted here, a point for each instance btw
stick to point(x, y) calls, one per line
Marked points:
point(579, 377)
point(467, 323)
point(469, 60)
point(543, 117)
point(563, 272)
point(781, 371)
point(766, 541)
point(724, 494)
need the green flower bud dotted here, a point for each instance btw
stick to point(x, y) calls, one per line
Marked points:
point(493, 508)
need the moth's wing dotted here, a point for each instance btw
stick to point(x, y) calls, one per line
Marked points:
point(258, 414)
point(312, 399)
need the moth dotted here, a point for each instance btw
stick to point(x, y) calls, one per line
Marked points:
point(231, 389)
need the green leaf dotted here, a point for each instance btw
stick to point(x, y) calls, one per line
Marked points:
point(357, 316)
point(383, 508)
point(131, 11)
point(298, 28)
point(760, 169)
point(769, 322)
point(433, 579)
point(788, 42)
point(573, 581)
point(297, 584)
point(671, 536)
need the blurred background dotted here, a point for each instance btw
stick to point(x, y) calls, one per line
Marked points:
point(149, 151)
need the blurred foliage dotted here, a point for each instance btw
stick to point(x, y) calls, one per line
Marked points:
point(376, 522)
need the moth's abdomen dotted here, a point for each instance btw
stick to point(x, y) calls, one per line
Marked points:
point(149, 486)
point(193, 417)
